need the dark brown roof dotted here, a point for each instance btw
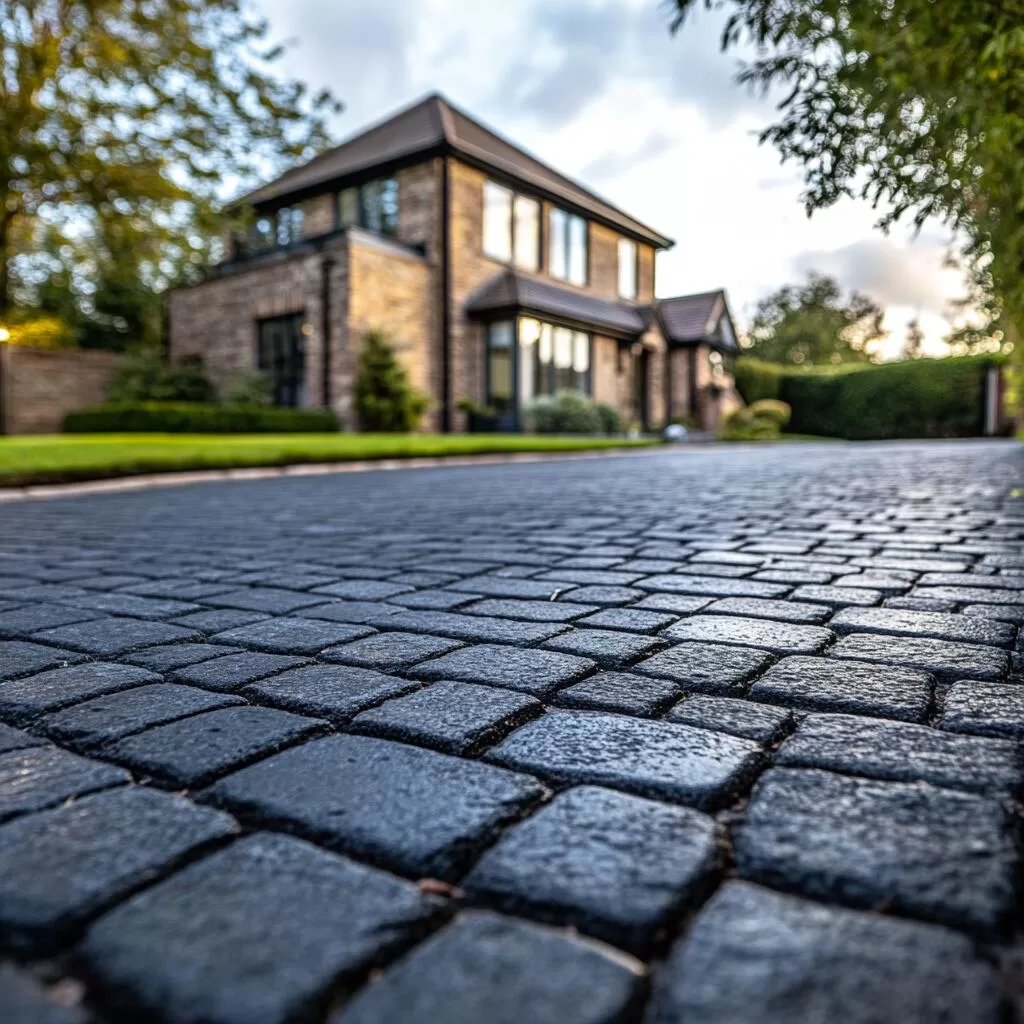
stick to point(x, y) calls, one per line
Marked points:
point(434, 125)
point(509, 291)
point(691, 318)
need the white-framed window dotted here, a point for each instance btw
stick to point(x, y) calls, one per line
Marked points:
point(511, 227)
point(567, 253)
point(627, 268)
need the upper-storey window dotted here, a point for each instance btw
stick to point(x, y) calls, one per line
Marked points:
point(511, 227)
point(372, 205)
point(627, 269)
point(568, 255)
point(273, 230)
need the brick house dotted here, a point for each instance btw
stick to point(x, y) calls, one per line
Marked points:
point(496, 278)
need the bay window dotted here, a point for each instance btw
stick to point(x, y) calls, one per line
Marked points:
point(567, 254)
point(511, 227)
point(627, 269)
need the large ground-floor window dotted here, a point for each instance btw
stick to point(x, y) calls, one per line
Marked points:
point(281, 356)
point(527, 358)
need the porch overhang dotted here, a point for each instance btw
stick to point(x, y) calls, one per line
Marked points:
point(510, 294)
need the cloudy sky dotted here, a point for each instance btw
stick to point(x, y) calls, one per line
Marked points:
point(600, 89)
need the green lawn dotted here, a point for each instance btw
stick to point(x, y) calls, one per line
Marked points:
point(66, 457)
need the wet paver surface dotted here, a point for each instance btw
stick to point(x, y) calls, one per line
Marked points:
point(721, 735)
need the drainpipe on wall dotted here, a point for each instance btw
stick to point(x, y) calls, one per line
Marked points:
point(446, 275)
point(326, 266)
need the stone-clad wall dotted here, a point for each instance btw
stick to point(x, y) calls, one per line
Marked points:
point(39, 386)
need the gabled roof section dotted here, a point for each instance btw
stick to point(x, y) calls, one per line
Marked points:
point(688, 319)
point(510, 292)
point(434, 126)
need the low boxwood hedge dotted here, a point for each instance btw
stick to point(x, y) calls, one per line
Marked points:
point(916, 398)
point(197, 418)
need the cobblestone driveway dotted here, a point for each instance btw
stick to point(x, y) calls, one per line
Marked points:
point(714, 736)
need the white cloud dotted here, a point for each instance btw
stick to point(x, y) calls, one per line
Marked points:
point(599, 89)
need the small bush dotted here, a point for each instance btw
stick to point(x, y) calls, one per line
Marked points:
point(568, 412)
point(772, 410)
point(147, 377)
point(193, 418)
point(385, 401)
point(250, 389)
point(611, 421)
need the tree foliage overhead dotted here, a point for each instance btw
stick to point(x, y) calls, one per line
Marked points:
point(122, 122)
point(814, 324)
point(916, 105)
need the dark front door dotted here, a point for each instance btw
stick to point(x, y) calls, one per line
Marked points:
point(282, 357)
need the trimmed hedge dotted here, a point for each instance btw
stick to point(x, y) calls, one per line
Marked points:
point(916, 398)
point(196, 418)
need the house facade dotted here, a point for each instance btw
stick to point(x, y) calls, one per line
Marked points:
point(495, 278)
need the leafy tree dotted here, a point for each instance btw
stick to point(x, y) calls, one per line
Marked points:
point(122, 122)
point(384, 399)
point(812, 323)
point(915, 105)
point(913, 341)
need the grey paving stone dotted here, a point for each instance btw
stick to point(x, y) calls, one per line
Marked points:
point(706, 668)
point(134, 606)
point(604, 597)
point(680, 583)
point(897, 622)
point(780, 611)
point(433, 600)
point(36, 778)
point(15, 739)
point(736, 717)
point(233, 671)
point(93, 723)
point(390, 651)
point(467, 974)
point(456, 718)
point(605, 646)
point(22, 621)
point(355, 612)
point(24, 1001)
point(105, 638)
point(410, 810)
point(630, 620)
point(655, 759)
point(172, 656)
point(273, 600)
point(615, 866)
point(219, 619)
point(474, 628)
point(527, 590)
point(984, 709)
point(23, 699)
point(333, 692)
point(18, 658)
point(1001, 612)
point(619, 691)
point(972, 595)
point(919, 604)
point(756, 954)
point(777, 637)
point(969, 579)
point(918, 850)
point(60, 867)
point(176, 589)
point(838, 597)
point(679, 604)
point(530, 611)
point(196, 948)
point(794, 577)
point(943, 657)
point(363, 590)
point(857, 688)
point(532, 671)
point(196, 750)
point(901, 752)
point(292, 635)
